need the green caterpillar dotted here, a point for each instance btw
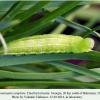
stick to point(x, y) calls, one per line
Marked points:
point(49, 43)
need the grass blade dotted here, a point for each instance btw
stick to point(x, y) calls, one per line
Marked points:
point(49, 83)
point(32, 10)
point(43, 21)
point(75, 25)
point(24, 59)
point(13, 11)
point(5, 25)
point(19, 75)
point(91, 31)
point(77, 69)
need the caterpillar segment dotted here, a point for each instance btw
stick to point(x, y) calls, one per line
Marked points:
point(49, 43)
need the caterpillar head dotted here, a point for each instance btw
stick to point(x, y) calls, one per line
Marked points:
point(88, 44)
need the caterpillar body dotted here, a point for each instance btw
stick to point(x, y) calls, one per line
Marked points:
point(49, 43)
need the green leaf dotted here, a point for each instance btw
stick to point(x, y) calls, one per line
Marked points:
point(49, 83)
point(31, 74)
point(6, 4)
point(76, 25)
point(29, 32)
point(13, 11)
point(77, 69)
point(32, 10)
point(23, 68)
point(94, 29)
point(19, 75)
point(5, 25)
point(43, 21)
point(24, 59)
point(92, 64)
point(90, 23)
point(94, 56)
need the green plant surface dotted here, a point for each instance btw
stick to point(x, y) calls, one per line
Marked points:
point(20, 19)
point(76, 26)
point(5, 5)
point(23, 68)
point(92, 65)
point(50, 83)
point(89, 32)
point(55, 75)
point(12, 12)
point(24, 59)
point(76, 69)
point(32, 10)
point(37, 25)
point(92, 21)
point(28, 76)
point(15, 9)
point(6, 25)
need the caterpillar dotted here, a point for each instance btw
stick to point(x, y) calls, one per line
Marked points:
point(49, 43)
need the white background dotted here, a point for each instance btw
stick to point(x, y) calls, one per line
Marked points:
point(50, 94)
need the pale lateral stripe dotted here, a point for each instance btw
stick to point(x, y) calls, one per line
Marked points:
point(49, 44)
point(40, 45)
